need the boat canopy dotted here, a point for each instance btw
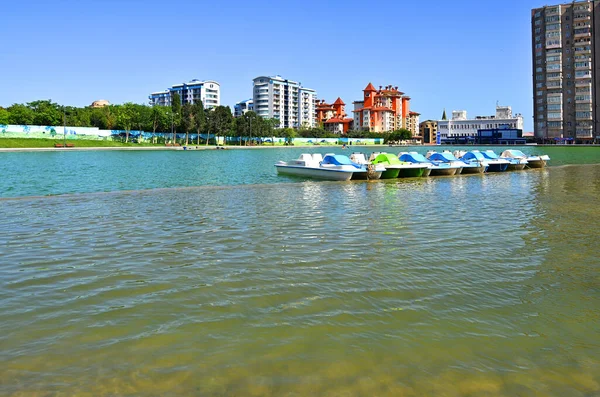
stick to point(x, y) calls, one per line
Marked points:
point(414, 157)
point(444, 157)
point(514, 153)
point(338, 159)
point(489, 154)
point(473, 155)
point(386, 158)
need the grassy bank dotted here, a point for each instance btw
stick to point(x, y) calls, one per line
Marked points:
point(49, 143)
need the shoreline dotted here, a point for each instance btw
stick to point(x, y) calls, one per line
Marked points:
point(213, 147)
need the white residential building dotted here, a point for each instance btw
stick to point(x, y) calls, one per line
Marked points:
point(209, 92)
point(284, 100)
point(459, 126)
point(242, 107)
point(308, 104)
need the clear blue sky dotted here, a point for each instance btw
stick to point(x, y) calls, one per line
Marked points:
point(454, 55)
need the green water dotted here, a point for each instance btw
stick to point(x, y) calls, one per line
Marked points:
point(459, 286)
point(52, 173)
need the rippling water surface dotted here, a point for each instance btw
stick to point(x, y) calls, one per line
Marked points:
point(462, 286)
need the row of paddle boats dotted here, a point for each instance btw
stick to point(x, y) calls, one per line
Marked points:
point(407, 164)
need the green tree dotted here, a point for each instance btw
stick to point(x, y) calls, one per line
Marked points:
point(187, 120)
point(110, 115)
point(98, 118)
point(240, 127)
point(126, 116)
point(199, 119)
point(79, 117)
point(221, 121)
point(289, 134)
point(175, 113)
point(159, 119)
point(397, 135)
point(141, 118)
point(46, 113)
point(20, 114)
point(247, 126)
point(4, 116)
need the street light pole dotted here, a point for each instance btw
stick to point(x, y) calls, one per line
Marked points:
point(172, 135)
point(64, 127)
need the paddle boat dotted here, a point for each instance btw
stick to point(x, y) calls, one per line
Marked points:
point(311, 166)
point(435, 168)
point(469, 166)
point(364, 169)
point(495, 163)
point(396, 168)
point(446, 158)
point(476, 162)
point(514, 155)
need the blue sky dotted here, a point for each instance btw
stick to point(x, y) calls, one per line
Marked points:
point(453, 55)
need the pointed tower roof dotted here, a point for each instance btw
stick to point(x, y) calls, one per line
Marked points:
point(370, 88)
point(339, 101)
point(444, 115)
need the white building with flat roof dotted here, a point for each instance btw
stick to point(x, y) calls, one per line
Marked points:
point(284, 100)
point(242, 107)
point(209, 92)
point(459, 126)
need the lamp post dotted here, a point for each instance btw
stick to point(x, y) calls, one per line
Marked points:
point(64, 126)
point(172, 134)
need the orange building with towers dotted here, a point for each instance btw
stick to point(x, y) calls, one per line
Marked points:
point(333, 116)
point(383, 109)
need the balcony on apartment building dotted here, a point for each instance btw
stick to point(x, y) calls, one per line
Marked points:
point(584, 134)
point(553, 85)
point(581, 16)
point(583, 115)
point(583, 82)
point(555, 116)
point(584, 32)
point(587, 49)
point(583, 66)
point(583, 74)
point(553, 76)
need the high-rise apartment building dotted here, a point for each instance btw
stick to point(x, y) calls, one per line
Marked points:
point(207, 91)
point(565, 41)
point(284, 100)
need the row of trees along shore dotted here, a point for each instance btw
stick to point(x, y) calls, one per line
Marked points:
point(175, 123)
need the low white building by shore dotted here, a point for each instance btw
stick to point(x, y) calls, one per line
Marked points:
point(459, 126)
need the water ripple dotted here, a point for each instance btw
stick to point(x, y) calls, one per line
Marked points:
point(463, 286)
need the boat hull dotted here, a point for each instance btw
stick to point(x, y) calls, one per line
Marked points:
point(390, 173)
point(479, 169)
point(516, 167)
point(426, 172)
point(536, 163)
point(443, 171)
point(312, 172)
point(497, 167)
point(412, 172)
point(369, 175)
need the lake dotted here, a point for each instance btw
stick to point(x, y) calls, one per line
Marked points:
point(204, 273)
